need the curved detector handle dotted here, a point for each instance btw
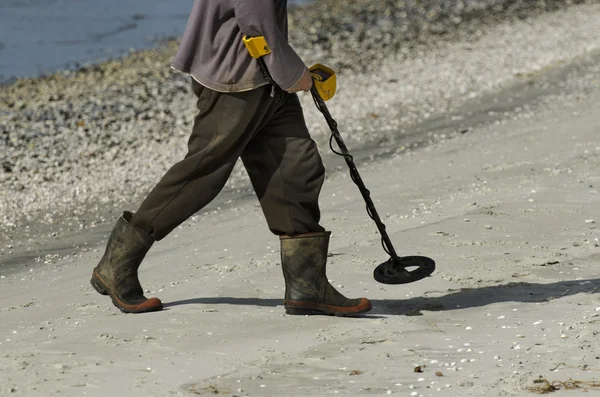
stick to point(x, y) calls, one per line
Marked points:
point(324, 80)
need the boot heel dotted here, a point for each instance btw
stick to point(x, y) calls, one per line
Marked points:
point(300, 312)
point(98, 287)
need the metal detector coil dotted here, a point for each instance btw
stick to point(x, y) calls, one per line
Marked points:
point(396, 270)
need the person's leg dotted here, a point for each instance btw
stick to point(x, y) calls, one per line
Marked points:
point(222, 129)
point(224, 125)
point(287, 173)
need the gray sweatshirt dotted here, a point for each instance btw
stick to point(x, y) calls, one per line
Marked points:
point(213, 52)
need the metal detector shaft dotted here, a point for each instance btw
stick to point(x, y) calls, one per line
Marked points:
point(387, 244)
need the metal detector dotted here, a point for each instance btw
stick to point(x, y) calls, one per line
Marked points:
point(396, 270)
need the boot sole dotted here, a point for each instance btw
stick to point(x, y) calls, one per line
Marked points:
point(150, 305)
point(296, 308)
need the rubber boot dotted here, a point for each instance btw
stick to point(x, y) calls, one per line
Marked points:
point(307, 290)
point(117, 273)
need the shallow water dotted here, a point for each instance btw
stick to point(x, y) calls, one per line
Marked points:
point(43, 36)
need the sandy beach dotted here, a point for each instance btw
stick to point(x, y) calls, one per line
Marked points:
point(501, 188)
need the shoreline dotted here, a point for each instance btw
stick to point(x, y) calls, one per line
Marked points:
point(307, 38)
point(40, 38)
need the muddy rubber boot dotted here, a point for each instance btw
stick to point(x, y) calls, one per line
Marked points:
point(307, 290)
point(117, 273)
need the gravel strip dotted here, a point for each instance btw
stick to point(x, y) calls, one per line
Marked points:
point(107, 133)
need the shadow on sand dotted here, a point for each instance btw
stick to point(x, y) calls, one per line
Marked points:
point(453, 300)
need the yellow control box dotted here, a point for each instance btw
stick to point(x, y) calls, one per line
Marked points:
point(257, 46)
point(324, 80)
